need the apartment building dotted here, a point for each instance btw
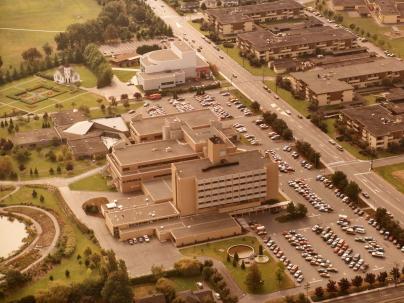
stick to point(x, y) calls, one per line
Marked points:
point(223, 180)
point(266, 45)
point(167, 68)
point(231, 21)
point(347, 5)
point(387, 11)
point(337, 85)
point(374, 124)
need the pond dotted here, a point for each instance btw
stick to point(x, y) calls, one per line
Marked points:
point(12, 234)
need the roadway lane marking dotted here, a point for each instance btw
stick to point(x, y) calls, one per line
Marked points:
point(313, 215)
point(316, 281)
point(178, 25)
point(365, 173)
point(377, 268)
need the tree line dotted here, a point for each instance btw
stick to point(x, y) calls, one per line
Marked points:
point(308, 152)
point(278, 125)
point(349, 188)
point(97, 63)
point(385, 220)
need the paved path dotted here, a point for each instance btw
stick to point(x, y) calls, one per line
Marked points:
point(29, 30)
point(389, 294)
point(388, 161)
point(127, 69)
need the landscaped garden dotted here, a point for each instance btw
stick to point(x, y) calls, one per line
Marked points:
point(218, 250)
point(73, 267)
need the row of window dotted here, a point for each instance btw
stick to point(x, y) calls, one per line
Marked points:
point(234, 186)
point(233, 178)
point(236, 199)
point(233, 192)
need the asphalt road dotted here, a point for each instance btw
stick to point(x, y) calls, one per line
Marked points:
point(389, 295)
point(381, 193)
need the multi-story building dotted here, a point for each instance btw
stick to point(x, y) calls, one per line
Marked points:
point(266, 45)
point(374, 124)
point(386, 11)
point(230, 21)
point(337, 85)
point(223, 180)
point(171, 67)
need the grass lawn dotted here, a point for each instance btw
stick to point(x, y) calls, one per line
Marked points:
point(124, 75)
point(78, 272)
point(389, 173)
point(197, 26)
point(300, 105)
point(256, 71)
point(47, 15)
point(217, 250)
point(88, 79)
point(370, 99)
point(241, 97)
point(120, 109)
point(39, 161)
point(92, 183)
point(5, 190)
point(70, 98)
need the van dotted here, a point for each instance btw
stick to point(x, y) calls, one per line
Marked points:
point(343, 217)
point(260, 228)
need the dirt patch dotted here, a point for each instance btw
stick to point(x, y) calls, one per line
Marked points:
point(399, 175)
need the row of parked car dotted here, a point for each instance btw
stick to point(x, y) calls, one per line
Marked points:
point(304, 190)
point(240, 106)
point(341, 248)
point(300, 243)
point(145, 239)
point(181, 105)
point(293, 268)
point(207, 100)
point(346, 226)
point(283, 166)
point(156, 110)
point(385, 233)
point(345, 199)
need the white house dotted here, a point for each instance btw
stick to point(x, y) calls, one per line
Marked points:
point(66, 75)
point(169, 67)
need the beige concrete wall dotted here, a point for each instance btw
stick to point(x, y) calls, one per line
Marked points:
point(217, 234)
point(272, 181)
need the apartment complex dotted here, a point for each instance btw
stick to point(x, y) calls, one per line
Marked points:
point(167, 68)
point(337, 85)
point(388, 11)
point(266, 45)
point(233, 20)
point(374, 124)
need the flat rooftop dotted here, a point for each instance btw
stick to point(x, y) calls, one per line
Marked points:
point(265, 40)
point(158, 190)
point(348, 3)
point(68, 117)
point(87, 146)
point(36, 136)
point(153, 125)
point(152, 151)
point(201, 224)
point(254, 9)
point(378, 120)
point(328, 80)
point(142, 213)
point(235, 163)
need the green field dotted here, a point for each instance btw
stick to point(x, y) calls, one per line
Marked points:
point(78, 272)
point(70, 98)
point(217, 250)
point(124, 75)
point(393, 174)
point(300, 105)
point(45, 15)
point(92, 183)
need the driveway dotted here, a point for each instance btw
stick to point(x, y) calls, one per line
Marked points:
point(116, 89)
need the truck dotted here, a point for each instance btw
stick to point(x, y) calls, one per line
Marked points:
point(156, 96)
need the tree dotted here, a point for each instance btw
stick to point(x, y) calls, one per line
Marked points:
point(331, 286)
point(382, 277)
point(157, 271)
point(188, 267)
point(67, 273)
point(117, 288)
point(279, 275)
point(370, 278)
point(6, 167)
point(31, 54)
point(395, 274)
point(357, 281)
point(34, 194)
point(167, 288)
point(203, 6)
point(111, 33)
point(339, 180)
point(41, 198)
point(255, 106)
point(69, 166)
point(319, 292)
point(47, 49)
point(14, 278)
point(242, 265)
point(253, 279)
point(352, 190)
point(344, 285)
point(207, 272)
